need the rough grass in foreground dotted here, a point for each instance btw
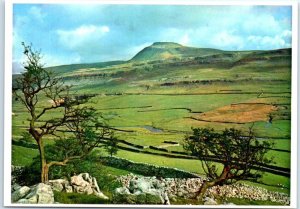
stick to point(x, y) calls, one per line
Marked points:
point(75, 198)
point(228, 201)
point(22, 156)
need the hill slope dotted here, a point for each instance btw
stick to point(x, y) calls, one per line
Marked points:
point(169, 50)
point(74, 67)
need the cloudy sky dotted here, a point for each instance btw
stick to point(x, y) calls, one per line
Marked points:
point(92, 33)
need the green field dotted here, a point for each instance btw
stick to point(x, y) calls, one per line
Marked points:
point(151, 100)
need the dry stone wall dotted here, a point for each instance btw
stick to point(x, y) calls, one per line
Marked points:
point(187, 187)
point(146, 169)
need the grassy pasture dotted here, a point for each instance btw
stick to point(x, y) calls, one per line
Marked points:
point(162, 102)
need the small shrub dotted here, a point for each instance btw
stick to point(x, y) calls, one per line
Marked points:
point(30, 175)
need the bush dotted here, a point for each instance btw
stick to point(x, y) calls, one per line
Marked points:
point(30, 175)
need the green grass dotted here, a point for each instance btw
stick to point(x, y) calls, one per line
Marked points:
point(281, 159)
point(22, 156)
point(236, 201)
point(76, 198)
point(184, 164)
point(282, 144)
point(239, 201)
point(145, 81)
point(194, 166)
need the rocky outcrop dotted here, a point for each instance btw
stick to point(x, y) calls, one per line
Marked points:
point(37, 194)
point(142, 191)
point(83, 184)
point(19, 192)
point(43, 193)
point(61, 185)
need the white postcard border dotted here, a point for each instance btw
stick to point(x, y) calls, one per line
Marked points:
point(8, 93)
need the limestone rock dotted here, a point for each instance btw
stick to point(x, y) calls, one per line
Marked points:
point(210, 201)
point(86, 184)
point(39, 194)
point(15, 187)
point(79, 181)
point(122, 190)
point(19, 193)
point(142, 191)
point(188, 187)
point(59, 184)
point(82, 183)
point(43, 192)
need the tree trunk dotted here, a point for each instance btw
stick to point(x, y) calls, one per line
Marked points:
point(203, 188)
point(208, 184)
point(44, 173)
point(44, 166)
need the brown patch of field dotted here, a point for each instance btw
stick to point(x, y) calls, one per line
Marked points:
point(239, 113)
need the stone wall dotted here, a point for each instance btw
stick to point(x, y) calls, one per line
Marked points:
point(187, 188)
point(146, 169)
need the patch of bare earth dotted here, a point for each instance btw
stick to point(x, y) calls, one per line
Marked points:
point(239, 113)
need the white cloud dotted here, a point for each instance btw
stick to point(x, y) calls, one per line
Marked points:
point(174, 35)
point(79, 37)
point(17, 66)
point(262, 24)
point(50, 60)
point(86, 30)
point(282, 40)
point(37, 13)
point(226, 39)
point(185, 39)
point(286, 34)
point(91, 32)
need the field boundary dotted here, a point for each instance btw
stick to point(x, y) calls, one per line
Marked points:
point(147, 169)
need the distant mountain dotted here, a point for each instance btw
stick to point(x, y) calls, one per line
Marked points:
point(169, 50)
point(160, 51)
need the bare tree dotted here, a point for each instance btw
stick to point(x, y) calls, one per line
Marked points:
point(236, 154)
point(53, 110)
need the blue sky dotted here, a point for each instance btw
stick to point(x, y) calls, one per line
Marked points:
point(92, 33)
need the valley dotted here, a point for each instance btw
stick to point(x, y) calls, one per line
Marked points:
point(154, 99)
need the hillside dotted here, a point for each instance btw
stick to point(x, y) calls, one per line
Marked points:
point(154, 99)
point(73, 67)
point(172, 54)
point(169, 50)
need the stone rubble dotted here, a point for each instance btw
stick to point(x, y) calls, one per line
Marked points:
point(187, 187)
point(142, 191)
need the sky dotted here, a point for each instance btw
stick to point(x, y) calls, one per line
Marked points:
point(85, 33)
